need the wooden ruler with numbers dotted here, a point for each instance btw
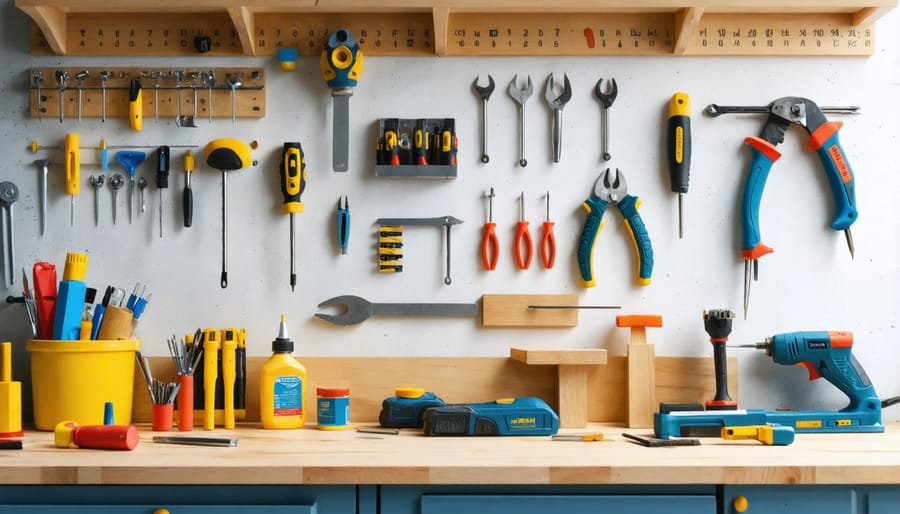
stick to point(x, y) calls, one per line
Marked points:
point(468, 34)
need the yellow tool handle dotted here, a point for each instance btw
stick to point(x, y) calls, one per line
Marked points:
point(135, 105)
point(229, 345)
point(73, 164)
point(210, 374)
point(5, 362)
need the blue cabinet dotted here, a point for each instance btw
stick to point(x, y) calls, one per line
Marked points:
point(818, 499)
point(547, 499)
point(178, 499)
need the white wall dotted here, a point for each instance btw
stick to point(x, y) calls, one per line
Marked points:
point(809, 283)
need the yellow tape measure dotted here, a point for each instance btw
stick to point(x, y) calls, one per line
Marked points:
point(467, 34)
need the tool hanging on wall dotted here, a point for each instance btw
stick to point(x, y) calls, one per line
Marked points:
point(292, 172)
point(341, 63)
point(9, 194)
point(116, 182)
point(416, 148)
point(162, 179)
point(520, 95)
point(522, 245)
point(397, 224)
point(556, 103)
point(548, 239)
point(823, 138)
point(131, 161)
point(343, 224)
point(485, 93)
point(490, 244)
point(43, 166)
point(97, 182)
point(37, 82)
point(606, 100)
point(390, 249)
point(187, 197)
point(678, 150)
point(226, 155)
point(73, 172)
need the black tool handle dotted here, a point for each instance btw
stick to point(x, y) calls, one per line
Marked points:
point(162, 167)
point(187, 201)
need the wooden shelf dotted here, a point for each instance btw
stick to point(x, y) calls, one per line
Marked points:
point(458, 27)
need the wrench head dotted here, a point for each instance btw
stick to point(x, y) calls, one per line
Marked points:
point(356, 310)
point(520, 95)
point(606, 98)
point(97, 181)
point(558, 102)
point(610, 186)
point(116, 181)
point(484, 91)
point(9, 193)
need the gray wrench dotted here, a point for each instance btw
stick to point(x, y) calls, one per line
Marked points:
point(446, 221)
point(9, 193)
point(607, 100)
point(716, 110)
point(104, 76)
point(520, 96)
point(81, 76)
point(97, 182)
point(485, 94)
point(115, 183)
point(43, 166)
point(359, 309)
point(557, 103)
point(62, 80)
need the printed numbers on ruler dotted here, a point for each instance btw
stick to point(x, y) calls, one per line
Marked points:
point(561, 34)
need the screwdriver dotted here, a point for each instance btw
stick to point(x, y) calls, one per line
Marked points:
point(162, 179)
point(293, 182)
point(343, 224)
point(188, 195)
point(135, 105)
point(490, 245)
point(523, 238)
point(548, 241)
point(678, 148)
point(73, 171)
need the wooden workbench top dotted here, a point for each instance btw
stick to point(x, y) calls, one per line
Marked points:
point(311, 456)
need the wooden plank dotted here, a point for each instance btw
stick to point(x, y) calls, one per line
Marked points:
point(469, 379)
point(250, 102)
point(641, 385)
point(573, 394)
point(577, 356)
point(511, 310)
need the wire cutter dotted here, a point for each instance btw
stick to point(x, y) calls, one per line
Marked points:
point(823, 138)
point(612, 188)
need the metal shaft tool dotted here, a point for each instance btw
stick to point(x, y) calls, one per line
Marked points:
point(43, 166)
point(97, 182)
point(226, 154)
point(80, 77)
point(292, 172)
point(234, 82)
point(37, 82)
point(116, 182)
point(678, 150)
point(485, 93)
point(359, 309)
point(9, 194)
point(521, 96)
point(556, 103)
point(210, 84)
point(104, 76)
point(131, 161)
point(142, 185)
point(716, 110)
point(162, 179)
point(445, 221)
point(606, 100)
point(62, 80)
point(341, 64)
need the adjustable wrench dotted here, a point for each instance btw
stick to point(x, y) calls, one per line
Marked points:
point(557, 103)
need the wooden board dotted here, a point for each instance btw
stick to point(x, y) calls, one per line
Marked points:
point(575, 356)
point(511, 310)
point(469, 379)
point(641, 385)
point(249, 99)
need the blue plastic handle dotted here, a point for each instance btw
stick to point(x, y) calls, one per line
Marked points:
point(593, 224)
point(639, 236)
point(762, 156)
point(841, 180)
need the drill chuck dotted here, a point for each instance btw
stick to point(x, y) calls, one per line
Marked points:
point(718, 323)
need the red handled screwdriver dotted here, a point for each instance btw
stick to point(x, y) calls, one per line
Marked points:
point(523, 238)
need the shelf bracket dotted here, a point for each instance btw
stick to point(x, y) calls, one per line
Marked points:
point(52, 22)
point(686, 22)
point(242, 19)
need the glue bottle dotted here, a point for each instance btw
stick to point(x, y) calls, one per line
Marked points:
point(282, 386)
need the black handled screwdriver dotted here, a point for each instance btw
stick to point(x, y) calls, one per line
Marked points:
point(293, 181)
point(187, 198)
point(162, 179)
point(678, 148)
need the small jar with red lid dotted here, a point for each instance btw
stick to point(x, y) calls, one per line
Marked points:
point(333, 408)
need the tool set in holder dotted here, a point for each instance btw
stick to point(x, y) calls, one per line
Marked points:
point(416, 148)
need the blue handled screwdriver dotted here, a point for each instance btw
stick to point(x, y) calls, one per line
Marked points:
point(343, 224)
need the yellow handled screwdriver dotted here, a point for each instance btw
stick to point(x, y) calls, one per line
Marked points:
point(678, 148)
point(210, 375)
point(73, 171)
point(229, 372)
point(293, 181)
point(135, 105)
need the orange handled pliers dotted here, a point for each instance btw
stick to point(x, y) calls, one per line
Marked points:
point(490, 245)
point(523, 238)
point(548, 241)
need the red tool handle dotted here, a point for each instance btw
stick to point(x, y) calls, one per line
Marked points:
point(490, 247)
point(548, 245)
point(44, 274)
point(523, 242)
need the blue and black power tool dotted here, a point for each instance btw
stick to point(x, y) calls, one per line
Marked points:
point(406, 408)
point(510, 416)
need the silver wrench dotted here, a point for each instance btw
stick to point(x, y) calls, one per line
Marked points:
point(81, 76)
point(62, 80)
point(359, 309)
point(97, 181)
point(520, 96)
point(557, 103)
point(115, 183)
point(485, 94)
point(142, 184)
point(607, 100)
point(9, 193)
point(104, 76)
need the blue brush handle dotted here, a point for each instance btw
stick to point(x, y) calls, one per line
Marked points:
point(639, 236)
point(593, 224)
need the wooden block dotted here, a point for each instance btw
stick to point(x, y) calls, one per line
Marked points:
point(586, 356)
point(641, 385)
point(511, 310)
point(573, 396)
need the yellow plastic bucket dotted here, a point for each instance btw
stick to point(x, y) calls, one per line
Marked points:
point(72, 380)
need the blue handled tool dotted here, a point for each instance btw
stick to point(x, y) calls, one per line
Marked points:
point(507, 416)
point(131, 161)
point(823, 138)
point(341, 64)
point(612, 188)
point(343, 224)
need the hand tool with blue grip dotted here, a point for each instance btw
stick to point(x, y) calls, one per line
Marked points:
point(343, 223)
point(612, 188)
point(824, 140)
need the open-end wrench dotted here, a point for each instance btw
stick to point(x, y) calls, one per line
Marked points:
point(62, 80)
point(97, 182)
point(359, 309)
point(520, 96)
point(43, 166)
point(485, 94)
point(9, 193)
point(115, 183)
point(606, 99)
point(557, 102)
point(80, 77)
point(142, 184)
